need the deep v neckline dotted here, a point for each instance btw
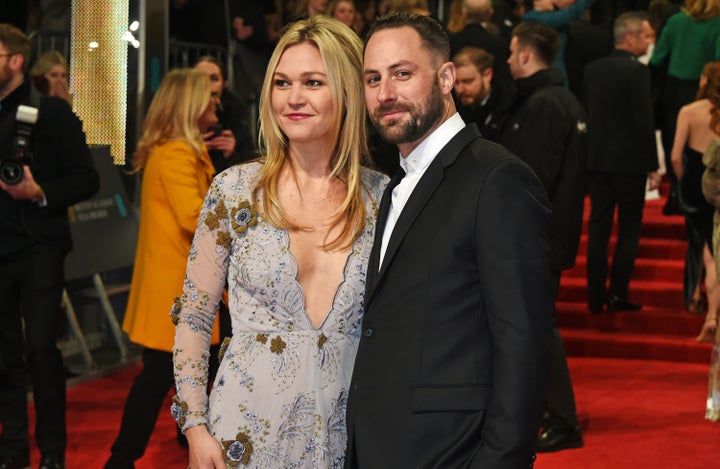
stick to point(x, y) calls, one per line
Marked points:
point(294, 274)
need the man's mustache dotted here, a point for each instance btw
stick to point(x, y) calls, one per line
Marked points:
point(384, 109)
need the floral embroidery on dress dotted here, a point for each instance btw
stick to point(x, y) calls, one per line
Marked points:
point(175, 311)
point(216, 211)
point(262, 338)
point(224, 239)
point(223, 347)
point(277, 345)
point(238, 451)
point(179, 410)
point(243, 216)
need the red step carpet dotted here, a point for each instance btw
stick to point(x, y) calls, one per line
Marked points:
point(640, 389)
point(663, 330)
point(636, 414)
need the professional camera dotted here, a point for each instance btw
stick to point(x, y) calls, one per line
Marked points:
point(11, 169)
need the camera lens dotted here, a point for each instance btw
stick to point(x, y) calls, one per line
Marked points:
point(11, 172)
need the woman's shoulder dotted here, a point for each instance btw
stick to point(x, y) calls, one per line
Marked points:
point(697, 109)
point(374, 182)
point(374, 179)
point(242, 171)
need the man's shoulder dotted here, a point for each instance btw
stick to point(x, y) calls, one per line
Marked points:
point(486, 154)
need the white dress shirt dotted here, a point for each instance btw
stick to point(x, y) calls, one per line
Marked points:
point(415, 165)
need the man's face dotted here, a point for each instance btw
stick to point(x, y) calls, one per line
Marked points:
point(643, 39)
point(216, 78)
point(515, 60)
point(403, 94)
point(472, 85)
point(7, 71)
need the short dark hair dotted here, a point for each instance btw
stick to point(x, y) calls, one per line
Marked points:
point(16, 42)
point(543, 39)
point(480, 58)
point(432, 34)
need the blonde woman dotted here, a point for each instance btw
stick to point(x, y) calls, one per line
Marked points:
point(291, 235)
point(50, 75)
point(177, 172)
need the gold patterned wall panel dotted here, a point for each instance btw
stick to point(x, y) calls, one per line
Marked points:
point(98, 71)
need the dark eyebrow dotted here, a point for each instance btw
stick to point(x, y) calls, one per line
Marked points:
point(392, 67)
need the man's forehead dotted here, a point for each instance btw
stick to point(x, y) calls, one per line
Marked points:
point(394, 47)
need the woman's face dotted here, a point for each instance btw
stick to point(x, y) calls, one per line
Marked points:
point(57, 76)
point(345, 13)
point(209, 116)
point(300, 96)
point(317, 6)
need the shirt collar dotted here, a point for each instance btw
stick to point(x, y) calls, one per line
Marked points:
point(419, 159)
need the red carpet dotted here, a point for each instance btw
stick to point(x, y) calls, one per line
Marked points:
point(640, 390)
point(663, 330)
point(636, 414)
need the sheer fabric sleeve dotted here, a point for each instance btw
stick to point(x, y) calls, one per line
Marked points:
point(194, 313)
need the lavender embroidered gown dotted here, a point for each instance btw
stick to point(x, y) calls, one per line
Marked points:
point(280, 394)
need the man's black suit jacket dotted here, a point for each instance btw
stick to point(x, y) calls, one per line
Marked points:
point(451, 365)
point(619, 105)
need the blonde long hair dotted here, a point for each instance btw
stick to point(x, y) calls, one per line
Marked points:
point(182, 98)
point(341, 52)
point(701, 10)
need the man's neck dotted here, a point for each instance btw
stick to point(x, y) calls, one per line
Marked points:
point(626, 48)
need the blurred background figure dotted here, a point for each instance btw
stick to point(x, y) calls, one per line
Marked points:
point(343, 11)
point(622, 158)
point(309, 8)
point(457, 21)
point(678, 59)
point(419, 7)
point(230, 141)
point(557, 14)
point(474, 90)
point(478, 31)
point(711, 189)
point(177, 173)
point(50, 75)
point(698, 124)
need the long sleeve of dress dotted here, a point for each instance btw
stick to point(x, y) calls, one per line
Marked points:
point(195, 311)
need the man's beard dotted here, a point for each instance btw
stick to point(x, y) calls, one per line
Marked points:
point(6, 77)
point(420, 122)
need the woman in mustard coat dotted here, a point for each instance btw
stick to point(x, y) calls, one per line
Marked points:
point(177, 172)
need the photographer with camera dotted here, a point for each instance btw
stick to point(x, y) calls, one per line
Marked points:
point(45, 167)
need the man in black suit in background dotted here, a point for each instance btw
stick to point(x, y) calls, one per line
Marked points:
point(452, 360)
point(623, 155)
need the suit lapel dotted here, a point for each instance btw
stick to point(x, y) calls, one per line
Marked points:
point(373, 263)
point(419, 197)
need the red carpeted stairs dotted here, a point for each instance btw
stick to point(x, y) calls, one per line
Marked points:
point(663, 330)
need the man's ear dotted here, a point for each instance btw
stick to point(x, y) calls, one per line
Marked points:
point(17, 61)
point(488, 73)
point(446, 77)
point(524, 56)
